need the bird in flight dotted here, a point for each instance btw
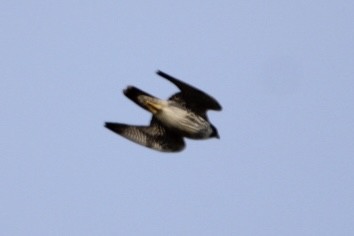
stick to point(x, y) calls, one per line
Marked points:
point(183, 115)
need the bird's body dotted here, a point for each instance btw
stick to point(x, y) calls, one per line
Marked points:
point(173, 115)
point(182, 115)
point(187, 123)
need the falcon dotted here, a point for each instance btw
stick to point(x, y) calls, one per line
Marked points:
point(183, 115)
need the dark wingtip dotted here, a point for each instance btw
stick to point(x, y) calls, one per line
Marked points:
point(132, 93)
point(218, 107)
point(163, 74)
point(108, 125)
point(215, 132)
point(128, 90)
point(115, 127)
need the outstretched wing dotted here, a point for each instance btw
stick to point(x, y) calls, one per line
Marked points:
point(154, 136)
point(137, 96)
point(191, 97)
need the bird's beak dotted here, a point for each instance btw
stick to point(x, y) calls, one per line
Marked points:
point(153, 107)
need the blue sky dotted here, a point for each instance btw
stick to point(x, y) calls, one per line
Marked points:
point(282, 70)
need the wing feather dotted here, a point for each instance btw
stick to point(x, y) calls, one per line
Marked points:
point(190, 96)
point(154, 136)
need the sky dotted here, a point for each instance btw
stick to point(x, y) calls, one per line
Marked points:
point(282, 70)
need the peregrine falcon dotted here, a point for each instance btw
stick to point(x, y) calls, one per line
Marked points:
point(183, 115)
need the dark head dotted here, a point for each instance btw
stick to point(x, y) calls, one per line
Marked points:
point(215, 133)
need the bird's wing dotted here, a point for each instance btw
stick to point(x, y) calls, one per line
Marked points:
point(154, 136)
point(191, 97)
point(137, 96)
